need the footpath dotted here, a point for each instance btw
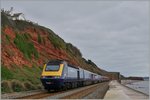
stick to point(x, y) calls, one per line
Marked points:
point(119, 92)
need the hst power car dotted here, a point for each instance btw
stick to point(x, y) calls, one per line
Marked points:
point(58, 74)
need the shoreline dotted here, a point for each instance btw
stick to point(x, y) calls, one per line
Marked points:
point(135, 90)
point(137, 85)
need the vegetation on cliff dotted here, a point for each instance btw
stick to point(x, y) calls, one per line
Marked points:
point(26, 47)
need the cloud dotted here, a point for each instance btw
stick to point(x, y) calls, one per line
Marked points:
point(113, 34)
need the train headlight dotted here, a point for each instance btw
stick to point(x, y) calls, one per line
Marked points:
point(43, 77)
point(56, 77)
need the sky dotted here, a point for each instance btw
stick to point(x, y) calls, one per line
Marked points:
point(113, 34)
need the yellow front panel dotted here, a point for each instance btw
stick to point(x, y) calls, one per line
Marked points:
point(53, 73)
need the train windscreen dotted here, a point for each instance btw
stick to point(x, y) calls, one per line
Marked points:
point(52, 68)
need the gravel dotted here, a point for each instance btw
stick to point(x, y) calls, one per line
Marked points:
point(99, 93)
point(20, 94)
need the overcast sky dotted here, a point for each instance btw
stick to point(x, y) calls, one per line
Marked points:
point(113, 34)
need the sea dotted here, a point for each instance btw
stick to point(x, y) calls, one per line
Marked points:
point(142, 86)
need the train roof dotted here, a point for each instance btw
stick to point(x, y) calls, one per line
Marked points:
point(55, 61)
point(58, 61)
point(73, 66)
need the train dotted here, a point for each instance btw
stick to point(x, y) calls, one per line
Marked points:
point(59, 74)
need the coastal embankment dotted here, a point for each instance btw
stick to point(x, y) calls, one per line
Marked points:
point(118, 91)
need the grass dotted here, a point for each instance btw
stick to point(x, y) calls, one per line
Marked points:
point(10, 52)
point(22, 74)
point(6, 87)
point(6, 73)
point(39, 38)
point(74, 51)
point(26, 36)
point(44, 41)
point(17, 86)
point(7, 39)
point(5, 21)
point(29, 86)
point(57, 42)
point(31, 74)
point(20, 79)
point(25, 46)
point(22, 24)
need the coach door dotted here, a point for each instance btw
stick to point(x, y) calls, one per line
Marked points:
point(78, 73)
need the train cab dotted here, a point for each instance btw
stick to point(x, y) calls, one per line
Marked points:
point(52, 75)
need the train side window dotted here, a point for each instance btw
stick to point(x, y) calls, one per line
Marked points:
point(72, 72)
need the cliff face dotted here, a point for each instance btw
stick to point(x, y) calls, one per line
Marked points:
point(26, 46)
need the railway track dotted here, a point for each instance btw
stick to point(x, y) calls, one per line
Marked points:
point(83, 93)
point(39, 95)
point(69, 94)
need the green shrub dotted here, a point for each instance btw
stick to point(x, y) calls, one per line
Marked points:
point(27, 36)
point(6, 86)
point(22, 24)
point(73, 50)
point(57, 41)
point(35, 73)
point(10, 52)
point(5, 21)
point(39, 38)
point(6, 73)
point(26, 73)
point(43, 39)
point(28, 86)
point(39, 86)
point(25, 46)
point(17, 86)
point(7, 38)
